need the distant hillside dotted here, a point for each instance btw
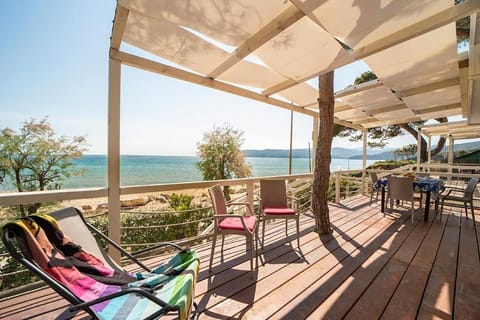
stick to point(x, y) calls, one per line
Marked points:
point(346, 153)
point(337, 153)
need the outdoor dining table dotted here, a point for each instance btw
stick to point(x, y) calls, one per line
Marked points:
point(430, 186)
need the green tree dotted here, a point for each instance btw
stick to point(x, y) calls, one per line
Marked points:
point(35, 159)
point(221, 156)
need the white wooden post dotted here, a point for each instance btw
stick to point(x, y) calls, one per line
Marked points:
point(114, 83)
point(364, 162)
point(450, 156)
point(429, 152)
point(419, 148)
point(337, 186)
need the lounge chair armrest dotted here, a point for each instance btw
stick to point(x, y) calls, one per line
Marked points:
point(139, 291)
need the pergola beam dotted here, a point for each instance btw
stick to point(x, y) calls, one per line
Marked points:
point(438, 20)
point(172, 72)
point(119, 23)
point(428, 87)
point(273, 28)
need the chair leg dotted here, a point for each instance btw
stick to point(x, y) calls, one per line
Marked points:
point(298, 232)
point(263, 232)
point(441, 209)
point(413, 211)
point(466, 210)
point(371, 198)
point(286, 227)
point(223, 241)
point(251, 239)
point(473, 212)
point(214, 240)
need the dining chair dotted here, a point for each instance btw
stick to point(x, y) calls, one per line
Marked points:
point(455, 195)
point(226, 223)
point(274, 204)
point(401, 188)
point(375, 189)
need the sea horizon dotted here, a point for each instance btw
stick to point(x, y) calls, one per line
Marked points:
point(158, 169)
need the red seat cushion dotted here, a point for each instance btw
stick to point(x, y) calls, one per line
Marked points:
point(278, 211)
point(236, 223)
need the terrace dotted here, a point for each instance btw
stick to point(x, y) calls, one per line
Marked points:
point(374, 265)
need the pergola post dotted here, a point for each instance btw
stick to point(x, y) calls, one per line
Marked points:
point(419, 148)
point(450, 155)
point(113, 156)
point(429, 152)
point(364, 161)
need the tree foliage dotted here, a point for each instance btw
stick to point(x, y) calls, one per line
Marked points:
point(221, 156)
point(406, 152)
point(36, 159)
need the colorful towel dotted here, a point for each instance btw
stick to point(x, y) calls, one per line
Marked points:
point(177, 277)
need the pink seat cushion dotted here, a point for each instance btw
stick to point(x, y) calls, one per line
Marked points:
point(278, 211)
point(236, 223)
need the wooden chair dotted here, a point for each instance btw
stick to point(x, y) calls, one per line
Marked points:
point(460, 195)
point(274, 204)
point(226, 223)
point(401, 188)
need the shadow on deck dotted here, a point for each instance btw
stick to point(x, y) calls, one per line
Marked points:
point(372, 266)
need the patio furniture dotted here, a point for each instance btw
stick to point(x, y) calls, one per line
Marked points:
point(376, 188)
point(275, 204)
point(463, 196)
point(401, 188)
point(226, 223)
point(432, 187)
point(87, 277)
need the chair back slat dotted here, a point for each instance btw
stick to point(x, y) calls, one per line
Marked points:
point(273, 193)
point(470, 189)
point(374, 177)
point(218, 199)
point(400, 188)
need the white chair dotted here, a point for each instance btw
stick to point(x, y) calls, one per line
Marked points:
point(401, 188)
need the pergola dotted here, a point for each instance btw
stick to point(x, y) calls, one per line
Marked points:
point(267, 51)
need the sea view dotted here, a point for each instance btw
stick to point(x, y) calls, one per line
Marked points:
point(141, 170)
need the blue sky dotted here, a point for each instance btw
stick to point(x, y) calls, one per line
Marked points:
point(54, 62)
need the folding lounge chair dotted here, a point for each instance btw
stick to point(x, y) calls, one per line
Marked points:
point(90, 280)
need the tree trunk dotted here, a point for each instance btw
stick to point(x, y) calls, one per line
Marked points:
point(423, 146)
point(321, 176)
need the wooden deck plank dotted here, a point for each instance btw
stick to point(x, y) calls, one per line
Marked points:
point(408, 296)
point(373, 301)
point(338, 304)
point(467, 295)
point(439, 291)
point(322, 260)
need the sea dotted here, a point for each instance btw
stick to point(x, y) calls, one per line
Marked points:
point(144, 169)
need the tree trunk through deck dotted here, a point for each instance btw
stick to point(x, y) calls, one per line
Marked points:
point(321, 175)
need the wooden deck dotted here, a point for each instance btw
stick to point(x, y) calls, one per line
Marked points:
point(372, 267)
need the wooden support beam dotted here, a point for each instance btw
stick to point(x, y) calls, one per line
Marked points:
point(119, 23)
point(452, 14)
point(270, 30)
point(172, 72)
point(358, 88)
point(428, 87)
point(438, 108)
